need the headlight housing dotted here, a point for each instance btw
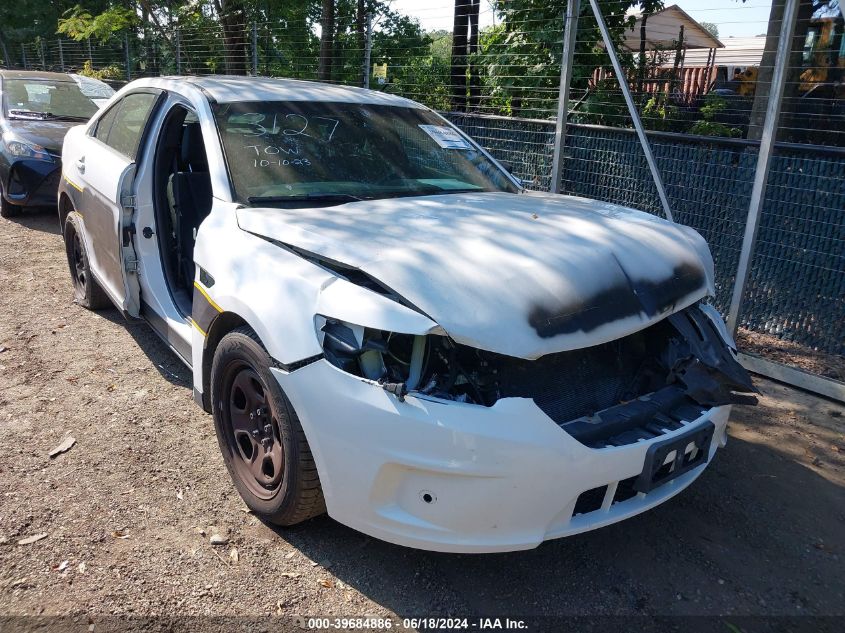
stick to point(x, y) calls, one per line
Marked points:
point(21, 148)
point(373, 354)
point(429, 364)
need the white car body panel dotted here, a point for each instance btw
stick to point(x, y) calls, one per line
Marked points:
point(470, 266)
point(103, 176)
point(485, 265)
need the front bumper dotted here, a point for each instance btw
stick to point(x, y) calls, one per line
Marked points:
point(32, 183)
point(455, 477)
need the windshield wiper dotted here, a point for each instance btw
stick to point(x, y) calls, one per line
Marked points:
point(28, 114)
point(43, 116)
point(307, 197)
point(68, 117)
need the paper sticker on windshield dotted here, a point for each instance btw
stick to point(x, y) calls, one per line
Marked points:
point(445, 137)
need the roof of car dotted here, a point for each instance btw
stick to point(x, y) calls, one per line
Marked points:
point(35, 75)
point(230, 88)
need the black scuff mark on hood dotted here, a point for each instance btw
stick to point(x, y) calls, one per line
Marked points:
point(618, 302)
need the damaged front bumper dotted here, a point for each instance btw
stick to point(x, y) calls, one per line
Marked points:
point(498, 453)
point(456, 477)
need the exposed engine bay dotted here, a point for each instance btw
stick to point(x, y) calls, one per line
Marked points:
point(637, 387)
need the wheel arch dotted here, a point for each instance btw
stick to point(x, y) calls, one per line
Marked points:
point(222, 324)
point(65, 208)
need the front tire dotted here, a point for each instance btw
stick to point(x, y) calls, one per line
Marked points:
point(86, 291)
point(259, 433)
point(7, 209)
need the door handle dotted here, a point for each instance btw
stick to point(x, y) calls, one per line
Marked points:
point(80, 165)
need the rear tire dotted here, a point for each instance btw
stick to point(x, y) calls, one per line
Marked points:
point(7, 209)
point(259, 433)
point(86, 291)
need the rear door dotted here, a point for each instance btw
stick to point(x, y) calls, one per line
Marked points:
point(104, 165)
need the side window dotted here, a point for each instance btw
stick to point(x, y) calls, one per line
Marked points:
point(127, 123)
point(104, 124)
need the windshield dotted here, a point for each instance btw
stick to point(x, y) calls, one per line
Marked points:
point(38, 99)
point(93, 88)
point(283, 152)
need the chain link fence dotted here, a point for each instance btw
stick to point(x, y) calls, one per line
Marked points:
point(703, 100)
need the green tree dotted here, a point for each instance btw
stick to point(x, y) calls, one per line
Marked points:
point(522, 55)
point(78, 23)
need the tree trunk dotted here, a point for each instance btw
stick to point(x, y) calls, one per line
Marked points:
point(458, 71)
point(767, 65)
point(679, 51)
point(232, 15)
point(327, 26)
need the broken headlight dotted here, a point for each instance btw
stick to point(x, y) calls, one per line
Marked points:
point(690, 349)
point(431, 364)
point(394, 360)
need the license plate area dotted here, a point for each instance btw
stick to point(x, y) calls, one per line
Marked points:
point(673, 457)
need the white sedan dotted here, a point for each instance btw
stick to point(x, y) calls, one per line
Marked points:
point(386, 326)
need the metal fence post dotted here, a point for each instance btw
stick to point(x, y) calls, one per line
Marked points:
point(761, 173)
point(128, 57)
point(254, 49)
point(90, 53)
point(573, 8)
point(632, 110)
point(61, 55)
point(368, 49)
point(178, 52)
point(23, 57)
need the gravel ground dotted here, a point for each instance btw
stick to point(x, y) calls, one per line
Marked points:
point(129, 510)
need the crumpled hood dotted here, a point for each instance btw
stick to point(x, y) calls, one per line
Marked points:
point(524, 275)
point(48, 134)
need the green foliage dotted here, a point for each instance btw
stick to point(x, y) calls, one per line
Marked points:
point(659, 114)
point(707, 126)
point(78, 24)
point(712, 128)
point(518, 63)
point(521, 56)
point(425, 79)
point(109, 72)
point(713, 105)
point(604, 105)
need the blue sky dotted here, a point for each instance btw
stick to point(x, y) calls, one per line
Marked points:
point(733, 17)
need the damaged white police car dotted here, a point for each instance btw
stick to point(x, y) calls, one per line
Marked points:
point(385, 326)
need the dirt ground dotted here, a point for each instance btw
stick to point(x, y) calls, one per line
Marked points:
point(792, 354)
point(129, 510)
